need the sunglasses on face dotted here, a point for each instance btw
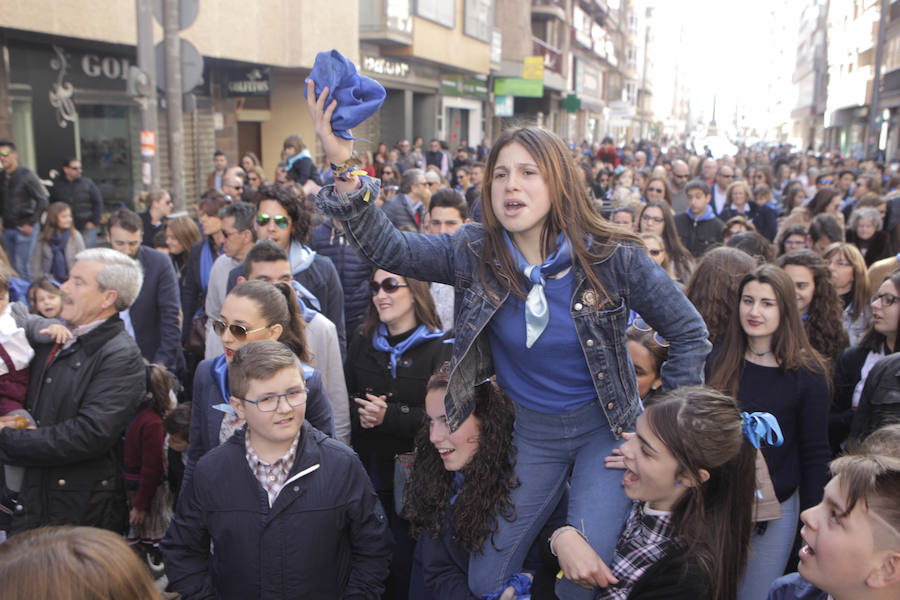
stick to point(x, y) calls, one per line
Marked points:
point(655, 251)
point(388, 284)
point(262, 219)
point(827, 181)
point(238, 331)
point(657, 190)
point(5, 152)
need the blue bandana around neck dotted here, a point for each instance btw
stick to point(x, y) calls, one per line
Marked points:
point(58, 267)
point(206, 262)
point(418, 337)
point(219, 369)
point(304, 296)
point(537, 311)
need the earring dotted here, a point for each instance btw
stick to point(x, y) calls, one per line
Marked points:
point(677, 484)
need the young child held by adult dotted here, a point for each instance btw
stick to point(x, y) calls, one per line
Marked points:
point(690, 470)
point(45, 298)
point(290, 512)
point(149, 501)
point(851, 540)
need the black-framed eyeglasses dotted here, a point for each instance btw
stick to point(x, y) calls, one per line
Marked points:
point(262, 219)
point(388, 284)
point(681, 176)
point(642, 325)
point(294, 398)
point(651, 219)
point(238, 331)
point(657, 190)
point(885, 299)
point(726, 176)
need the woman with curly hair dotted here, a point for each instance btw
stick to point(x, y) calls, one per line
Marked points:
point(818, 302)
point(713, 287)
point(657, 217)
point(459, 487)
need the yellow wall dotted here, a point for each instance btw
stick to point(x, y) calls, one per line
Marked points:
point(287, 115)
point(285, 33)
point(450, 47)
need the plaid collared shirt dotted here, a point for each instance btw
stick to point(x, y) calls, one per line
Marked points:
point(271, 476)
point(647, 538)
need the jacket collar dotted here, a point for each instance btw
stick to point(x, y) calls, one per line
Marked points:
point(97, 338)
point(308, 456)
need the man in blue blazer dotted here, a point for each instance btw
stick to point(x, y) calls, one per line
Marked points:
point(154, 317)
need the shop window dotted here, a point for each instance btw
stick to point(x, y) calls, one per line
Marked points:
point(442, 12)
point(479, 19)
point(106, 140)
point(23, 132)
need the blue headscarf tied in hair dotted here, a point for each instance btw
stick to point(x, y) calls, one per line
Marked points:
point(358, 97)
point(761, 427)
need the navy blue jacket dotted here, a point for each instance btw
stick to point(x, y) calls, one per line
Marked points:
point(325, 536)
point(763, 218)
point(206, 421)
point(353, 270)
point(155, 313)
point(193, 290)
point(321, 278)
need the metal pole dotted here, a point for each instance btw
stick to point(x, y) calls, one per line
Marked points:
point(147, 63)
point(647, 14)
point(174, 116)
point(871, 135)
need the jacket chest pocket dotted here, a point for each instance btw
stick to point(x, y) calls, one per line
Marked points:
point(610, 322)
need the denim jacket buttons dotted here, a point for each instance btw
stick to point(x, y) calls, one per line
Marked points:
point(611, 405)
point(589, 343)
point(578, 306)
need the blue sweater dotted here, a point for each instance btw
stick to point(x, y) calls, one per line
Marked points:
point(555, 361)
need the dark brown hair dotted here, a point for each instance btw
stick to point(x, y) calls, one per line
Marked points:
point(159, 383)
point(570, 213)
point(790, 345)
point(277, 304)
point(51, 225)
point(185, 231)
point(702, 429)
point(423, 305)
point(490, 474)
point(873, 340)
point(825, 321)
point(72, 563)
point(713, 287)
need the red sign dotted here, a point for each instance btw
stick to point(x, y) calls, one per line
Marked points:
point(148, 144)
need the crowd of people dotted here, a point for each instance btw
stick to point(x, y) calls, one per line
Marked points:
point(527, 369)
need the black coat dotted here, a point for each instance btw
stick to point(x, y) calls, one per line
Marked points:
point(354, 272)
point(155, 312)
point(368, 369)
point(83, 198)
point(325, 536)
point(879, 403)
point(698, 236)
point(82, 401)
point(193, 289)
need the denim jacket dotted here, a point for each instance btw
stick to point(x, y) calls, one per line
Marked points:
point(628, 275)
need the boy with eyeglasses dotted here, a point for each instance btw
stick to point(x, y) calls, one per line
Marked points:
point(287, 511)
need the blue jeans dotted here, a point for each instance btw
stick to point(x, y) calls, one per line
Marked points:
point(90, 237)
point(19, 248)
point(769, 552)
point(549, 448)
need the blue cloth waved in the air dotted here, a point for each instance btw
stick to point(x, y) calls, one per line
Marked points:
point(358, 96)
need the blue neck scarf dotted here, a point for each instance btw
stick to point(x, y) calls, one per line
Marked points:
point(219, 369)
point(537, 311)
point(58, 267)
point(418, 337)
point(206, 262)
point(304, 295)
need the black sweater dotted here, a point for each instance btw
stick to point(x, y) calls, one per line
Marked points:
point(799, 400)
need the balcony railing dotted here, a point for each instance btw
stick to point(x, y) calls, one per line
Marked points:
point(387, 22)
point(552, 56)
point(554, 8)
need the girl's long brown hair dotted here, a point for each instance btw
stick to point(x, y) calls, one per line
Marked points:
point(571, 213)
point(790, 345)
point(713, 518)
point(680, 258)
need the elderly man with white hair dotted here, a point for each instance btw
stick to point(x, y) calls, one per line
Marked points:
point(83, 391)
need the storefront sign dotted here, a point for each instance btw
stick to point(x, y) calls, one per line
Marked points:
point(456, 85)
point(109, 67)
point(523, 88)
point(383, 66)
point(249, 82)
point(148, 143)
point(533, 68)
point(503, 106)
